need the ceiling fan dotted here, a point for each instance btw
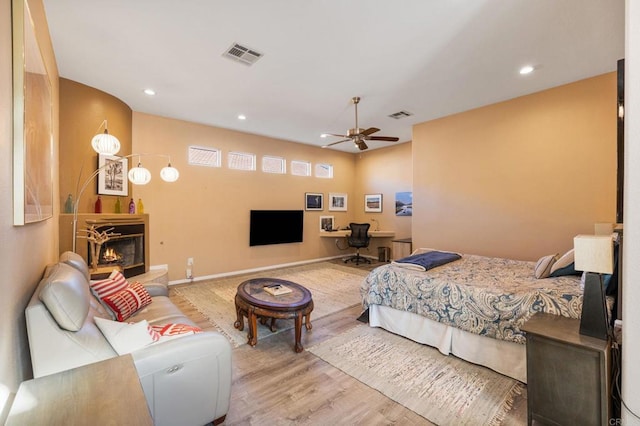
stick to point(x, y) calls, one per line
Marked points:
point(358, 135)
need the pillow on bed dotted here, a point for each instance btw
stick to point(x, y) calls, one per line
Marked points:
point(544, 265)
point(564, 266)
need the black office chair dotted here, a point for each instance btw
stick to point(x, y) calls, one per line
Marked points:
point(359, 238)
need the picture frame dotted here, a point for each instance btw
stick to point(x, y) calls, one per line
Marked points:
point(112, 177)
point(373, 203)
point(404, 203)
point(337, 202)
point(326, 223)
point(313, 201)
point(32, 123)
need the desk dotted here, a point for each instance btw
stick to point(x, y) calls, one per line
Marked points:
point(346, 233)
point(106, 392)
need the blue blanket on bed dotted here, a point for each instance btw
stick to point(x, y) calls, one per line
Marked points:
point(426, 261)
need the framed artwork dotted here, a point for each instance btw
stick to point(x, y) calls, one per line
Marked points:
point(373, 203)
point(338, 202)
point(313, 201)
point(404, 203)
point(326, 223)
point(112, 177)
point(32, 123)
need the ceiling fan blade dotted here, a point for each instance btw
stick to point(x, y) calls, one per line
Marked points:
point(383, 138)
point(361, 145)
point(336, 135)
point(369, 131)
point(335, 143)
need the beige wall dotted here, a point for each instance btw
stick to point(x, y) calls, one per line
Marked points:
point(384, 171)
point(520, 178)
point(24, 250)
point(82, 110)
point(205, 214)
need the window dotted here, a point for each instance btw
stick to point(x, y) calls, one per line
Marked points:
point(300, 168)
point(324, 171)
point(274, 165)
point(203, 156)
point(242, 161)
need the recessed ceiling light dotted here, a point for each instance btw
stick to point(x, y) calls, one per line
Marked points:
point(149, 92)
point(527, 69)
point(242, 117)
point(324, 135)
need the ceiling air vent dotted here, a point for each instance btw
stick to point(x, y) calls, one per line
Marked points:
point(242, 54)
point(401, 114)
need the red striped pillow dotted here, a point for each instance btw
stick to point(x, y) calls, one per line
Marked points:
point(175, 329)
point(112, 285)
point(128, 301)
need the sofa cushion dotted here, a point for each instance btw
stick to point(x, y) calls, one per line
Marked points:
point(126, 302)
point(77, 261)
point(66, 295)
point(127, 337)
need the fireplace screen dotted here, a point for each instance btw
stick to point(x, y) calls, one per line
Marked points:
point(126, 249)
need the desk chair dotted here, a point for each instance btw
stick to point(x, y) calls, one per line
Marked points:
point(359, 238)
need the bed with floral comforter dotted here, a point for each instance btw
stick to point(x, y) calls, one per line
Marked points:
point(487, 296)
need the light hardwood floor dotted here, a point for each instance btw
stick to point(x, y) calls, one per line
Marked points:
point(273, 385)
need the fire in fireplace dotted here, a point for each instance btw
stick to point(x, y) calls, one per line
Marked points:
point(125, 249)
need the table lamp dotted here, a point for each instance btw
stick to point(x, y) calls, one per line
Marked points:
point(594, 255)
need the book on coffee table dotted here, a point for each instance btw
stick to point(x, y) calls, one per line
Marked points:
point(276, 289)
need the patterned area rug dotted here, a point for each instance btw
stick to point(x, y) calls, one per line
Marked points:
point(333, 288)
point(443, 389)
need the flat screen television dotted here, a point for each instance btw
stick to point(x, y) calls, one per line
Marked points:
point(275, 227)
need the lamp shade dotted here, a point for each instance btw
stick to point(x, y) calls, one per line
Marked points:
point(104, 143)
point(169, 174)
point(593, 253)
point(139, 175)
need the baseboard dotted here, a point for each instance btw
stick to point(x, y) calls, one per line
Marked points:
point(250, 271)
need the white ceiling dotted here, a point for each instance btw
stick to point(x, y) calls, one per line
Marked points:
point(429, 57)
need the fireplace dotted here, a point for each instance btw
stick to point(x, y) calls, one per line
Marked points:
point(125, 249)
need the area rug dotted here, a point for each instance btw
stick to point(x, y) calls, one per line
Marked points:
point(333, 288)
point(443, 389)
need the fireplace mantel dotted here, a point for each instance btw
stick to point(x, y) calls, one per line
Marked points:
point(85, 220)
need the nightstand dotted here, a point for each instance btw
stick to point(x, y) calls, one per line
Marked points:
point(568, 374)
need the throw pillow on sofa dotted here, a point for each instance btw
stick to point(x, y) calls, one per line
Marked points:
point(128, 301)
point(127, 337)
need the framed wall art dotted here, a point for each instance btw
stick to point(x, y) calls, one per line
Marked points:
point(373, 203)
point(313, 201)
point(112, 178)
point(32, 123)
point(326, 223)
point(404, 203)
point(338, 202)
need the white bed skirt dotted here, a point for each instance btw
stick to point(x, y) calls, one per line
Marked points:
point(507, 358)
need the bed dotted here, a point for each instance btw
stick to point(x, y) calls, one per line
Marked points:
point(472, 307)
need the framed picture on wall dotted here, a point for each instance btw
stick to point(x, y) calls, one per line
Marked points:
point(313, 201)
point(404, 203)
point(373, 203)
point(326, 223)
point(338, 202)
point(112, 178)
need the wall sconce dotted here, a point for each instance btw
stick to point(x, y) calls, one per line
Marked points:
point(594, 255)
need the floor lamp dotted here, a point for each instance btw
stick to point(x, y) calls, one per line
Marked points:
point(104, 143)
point(594, 255)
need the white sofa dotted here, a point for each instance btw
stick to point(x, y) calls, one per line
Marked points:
point(186, 380)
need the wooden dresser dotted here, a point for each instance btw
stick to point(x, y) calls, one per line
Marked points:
point(568, 374)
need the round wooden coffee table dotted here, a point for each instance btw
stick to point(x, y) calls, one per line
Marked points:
point(252, 301)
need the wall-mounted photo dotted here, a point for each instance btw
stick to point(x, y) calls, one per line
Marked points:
point(326, 223)
point(313, 201)
point(112, 178)
point(373, 203)
point(404, 203)
point(338, 202)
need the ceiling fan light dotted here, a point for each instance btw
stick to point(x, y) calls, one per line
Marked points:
point(169, 174)
point(139, 175)
point(104, 143)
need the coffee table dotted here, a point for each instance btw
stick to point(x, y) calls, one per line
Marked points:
point(252, 301)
